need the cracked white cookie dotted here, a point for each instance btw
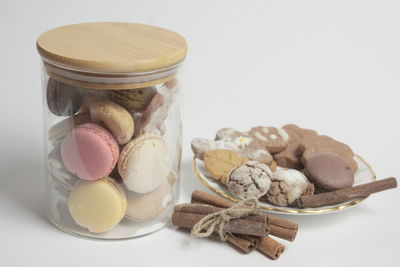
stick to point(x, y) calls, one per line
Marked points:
point(250, 180)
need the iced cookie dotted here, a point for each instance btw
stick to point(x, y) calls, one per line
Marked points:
point(329, 171)
point(136, 99)
point(152, 120)
point(97, 205)
point(63, 179)
point(270, 138)
point(242, 145)
point(143, 163)
point(62, 128)
point(287, 186)
point(116, 118)
point(250, 180)
point(89, 151)
point(63, 99)
point(220, 162)
point(291, 156)
point(327, 144)
point(147, 206)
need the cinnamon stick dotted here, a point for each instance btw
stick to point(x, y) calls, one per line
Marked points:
point(278, 227)
point(344, 195)
point(205, 209)
point(235, 226)
point(270, 247)
point(243, 243)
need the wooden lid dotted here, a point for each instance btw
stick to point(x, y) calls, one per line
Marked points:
point(111, 47)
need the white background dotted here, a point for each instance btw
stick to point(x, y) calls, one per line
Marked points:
point(333, 66)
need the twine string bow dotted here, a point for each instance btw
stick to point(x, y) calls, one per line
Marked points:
point(207, 225)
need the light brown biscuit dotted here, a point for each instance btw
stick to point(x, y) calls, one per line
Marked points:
point(291, 156)
point(115, 117)
point(270, 138)
point(323, 143)
point(220, 162)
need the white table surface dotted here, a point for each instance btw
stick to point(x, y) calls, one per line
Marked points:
point(328, 65)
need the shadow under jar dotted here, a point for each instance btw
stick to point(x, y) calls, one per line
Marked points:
point(112, 124)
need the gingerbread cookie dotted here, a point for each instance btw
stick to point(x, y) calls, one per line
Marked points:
point(250, 180)
point(323, 143)
point(291, 156)
point(220, 162)
point(152, 120)
point(329, 171)
point(273, 139)
point(243, 146)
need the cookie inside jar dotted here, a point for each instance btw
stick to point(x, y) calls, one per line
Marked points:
point(300, 161)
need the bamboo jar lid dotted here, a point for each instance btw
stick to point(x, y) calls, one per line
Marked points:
point(111, 47)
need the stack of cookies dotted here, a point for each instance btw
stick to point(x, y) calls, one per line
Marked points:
point(277, 165)
point(109, 156)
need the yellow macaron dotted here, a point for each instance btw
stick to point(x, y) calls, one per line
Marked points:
point(97, 205)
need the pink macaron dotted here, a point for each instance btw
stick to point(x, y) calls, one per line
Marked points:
point(90, 151)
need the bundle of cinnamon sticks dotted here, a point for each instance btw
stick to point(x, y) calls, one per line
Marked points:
point(245, 234)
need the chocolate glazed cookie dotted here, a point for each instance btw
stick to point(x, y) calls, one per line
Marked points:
point(326, 144)
point(63, 99)
point(329, 171)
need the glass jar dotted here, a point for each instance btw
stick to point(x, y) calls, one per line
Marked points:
point(112, 127)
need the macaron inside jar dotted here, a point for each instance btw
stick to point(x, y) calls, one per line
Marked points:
point(143, 163)
point(147, 206)
point(90, 151)
point(97, 205)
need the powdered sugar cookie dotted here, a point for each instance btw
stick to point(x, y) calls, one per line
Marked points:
point(250, 180)
point(287, 186)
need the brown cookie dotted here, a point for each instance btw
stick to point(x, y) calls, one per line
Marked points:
point(152, 120)
point(329, 171)
point(136, 99)
point(63, 99)
point(220, 162)
point(323, 143)
point(291, 156)
point(271, 138)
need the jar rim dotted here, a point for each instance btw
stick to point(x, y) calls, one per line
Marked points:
point(110, 81)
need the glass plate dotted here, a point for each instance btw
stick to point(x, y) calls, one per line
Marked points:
point(364, 174)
